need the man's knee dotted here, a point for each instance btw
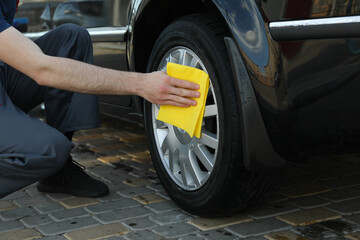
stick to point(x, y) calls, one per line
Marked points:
point(79, 32)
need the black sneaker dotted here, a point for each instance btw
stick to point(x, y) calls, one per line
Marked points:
point(72, 179)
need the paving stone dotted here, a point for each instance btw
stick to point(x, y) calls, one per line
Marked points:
point(309, 202)
point(117, 176)
point(355, 218)
point(58, 196)
point(314, 232)
point(48, 207)
point(114, 238)
point(143, 235)
point(23, 234)
point(33, 191)
point(310, 216)
point(17, 213)
point(34, 221)
point(6, 205)
point(84, 138)
point(340, 226)
point(110, 147)
point(206, 224)
point(284, 235)
point(139, 224)
point(67, 226)
point(110, 206)
point(112, 196)
point(169, 217)
point(258, 227)
point(163, 206)
point(353, 236)
point(14, 195)
point(68, 214)
point(97, 232)
point(343, 182)
point(256, 238)
point(341, 194)
point(156, 187)
point(175, 230)
point(192, 237)
point(111, 158)
point(272, 210)
point(30, 201)
point(134, 191)
point(137, 182)
point(76, 202)
point(218, 234)
point(52, 238)
point(304, 190)
point(148, 198)
point(10, 225)
point(346, 207)
point(122, 214)
point(304, 179)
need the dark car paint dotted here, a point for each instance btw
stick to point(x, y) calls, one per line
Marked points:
point(306, 90)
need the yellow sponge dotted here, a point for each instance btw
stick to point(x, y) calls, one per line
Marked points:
point(190, 118)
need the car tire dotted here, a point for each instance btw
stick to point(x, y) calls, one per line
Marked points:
point(203, 176)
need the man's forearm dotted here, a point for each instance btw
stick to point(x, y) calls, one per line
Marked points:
point(81, 77)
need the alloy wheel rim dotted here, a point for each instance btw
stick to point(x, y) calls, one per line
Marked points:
point(188, 161)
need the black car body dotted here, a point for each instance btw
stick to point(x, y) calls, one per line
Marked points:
point(285, 86)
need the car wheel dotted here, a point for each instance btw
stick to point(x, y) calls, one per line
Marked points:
point(204, 176)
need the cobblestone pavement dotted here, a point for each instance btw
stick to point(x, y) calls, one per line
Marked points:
point(318, 201)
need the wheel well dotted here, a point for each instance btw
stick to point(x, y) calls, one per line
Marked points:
point(155, 17)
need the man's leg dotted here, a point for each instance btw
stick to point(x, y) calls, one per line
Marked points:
point(30, 150)
point(65, 111)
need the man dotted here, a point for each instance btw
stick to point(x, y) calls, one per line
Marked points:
point(57, 70)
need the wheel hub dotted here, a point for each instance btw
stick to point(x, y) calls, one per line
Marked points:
point(182, 136)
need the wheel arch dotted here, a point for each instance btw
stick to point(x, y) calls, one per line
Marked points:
point(147, 26)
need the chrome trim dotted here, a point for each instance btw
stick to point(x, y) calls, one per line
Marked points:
point(336, 27)
point(100, 34)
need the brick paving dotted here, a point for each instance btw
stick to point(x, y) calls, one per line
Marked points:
point(317, 201)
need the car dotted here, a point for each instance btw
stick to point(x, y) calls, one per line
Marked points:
point(284, 87)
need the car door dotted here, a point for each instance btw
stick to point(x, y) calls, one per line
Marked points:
point(318, 69)
point(98, 14)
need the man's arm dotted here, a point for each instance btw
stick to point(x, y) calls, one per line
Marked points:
point(157, 87)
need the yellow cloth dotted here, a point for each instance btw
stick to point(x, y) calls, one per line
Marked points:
point(187, 118)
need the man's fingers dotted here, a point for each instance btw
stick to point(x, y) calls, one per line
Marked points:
point(182, 100)
point(184, 84)
point(182, 92)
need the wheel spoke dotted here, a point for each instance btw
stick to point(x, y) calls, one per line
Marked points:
point(194, 62)
point(205, 157)
point(194, 169)
point(173, 159)
point(210, 110)
point(183, 174)
point(182, 54)
point(164, 146)
point(209, 139)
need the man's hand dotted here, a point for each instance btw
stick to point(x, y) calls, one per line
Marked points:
point(159, 88)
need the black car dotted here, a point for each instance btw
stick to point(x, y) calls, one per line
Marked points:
point(284, 86)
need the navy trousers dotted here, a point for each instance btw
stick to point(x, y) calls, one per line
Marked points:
point(31, 150)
